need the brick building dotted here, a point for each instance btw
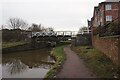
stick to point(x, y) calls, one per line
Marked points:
point(104, 13)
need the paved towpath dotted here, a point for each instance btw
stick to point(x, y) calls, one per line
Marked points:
point(74, 67)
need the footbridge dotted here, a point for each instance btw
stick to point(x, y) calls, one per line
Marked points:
point(54, 36)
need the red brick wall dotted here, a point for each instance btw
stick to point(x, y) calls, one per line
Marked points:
point(109, 46)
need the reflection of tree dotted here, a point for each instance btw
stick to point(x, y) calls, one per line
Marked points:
point(16, 66)
point(19, 62)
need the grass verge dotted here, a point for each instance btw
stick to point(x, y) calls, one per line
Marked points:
point(101, 65)
point(11, 44)
point(58, 54)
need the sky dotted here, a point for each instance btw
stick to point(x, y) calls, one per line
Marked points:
point(59, 14)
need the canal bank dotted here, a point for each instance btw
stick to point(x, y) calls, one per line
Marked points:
point(58, 54)
point(23, 47)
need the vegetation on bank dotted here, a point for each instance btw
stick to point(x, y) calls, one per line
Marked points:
point(101, 65)
point(58, 54)
point(11, 44)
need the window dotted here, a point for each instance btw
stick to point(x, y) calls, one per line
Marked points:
point(108, 7)
point(108, 18)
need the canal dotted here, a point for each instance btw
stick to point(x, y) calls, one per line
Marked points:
point(27, 64)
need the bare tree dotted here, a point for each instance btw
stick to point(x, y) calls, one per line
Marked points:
point(35, 27)
point(39, 28)
point(82, 29)
point(16, 23)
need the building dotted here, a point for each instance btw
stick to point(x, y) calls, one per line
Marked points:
point(106, 12)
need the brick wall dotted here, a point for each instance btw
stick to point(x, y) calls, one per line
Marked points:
point(109, 46)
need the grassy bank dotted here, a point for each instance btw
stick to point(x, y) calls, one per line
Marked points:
point(101, 65)
point(59, 55)
point(11, 44)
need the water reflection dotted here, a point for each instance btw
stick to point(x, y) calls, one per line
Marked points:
point(16, 66)
point(25, 64)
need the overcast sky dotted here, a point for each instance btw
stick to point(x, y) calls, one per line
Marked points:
point(59, 14)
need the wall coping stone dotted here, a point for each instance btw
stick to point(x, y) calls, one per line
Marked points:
point(116, 36)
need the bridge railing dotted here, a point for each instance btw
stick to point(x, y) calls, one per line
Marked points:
point(43, 34)
point(55, 33)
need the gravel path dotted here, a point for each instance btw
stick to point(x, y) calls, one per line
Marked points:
point(74, 67)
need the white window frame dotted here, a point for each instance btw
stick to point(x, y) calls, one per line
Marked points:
point(108, 7)
point(109, 18)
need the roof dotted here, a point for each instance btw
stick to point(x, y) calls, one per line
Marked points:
point(111, 0)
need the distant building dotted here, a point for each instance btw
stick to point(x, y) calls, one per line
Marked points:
point(104, 13)
point(89, 25)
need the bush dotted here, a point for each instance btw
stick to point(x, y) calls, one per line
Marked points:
point(108, 30)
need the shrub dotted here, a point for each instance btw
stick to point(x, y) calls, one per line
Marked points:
point(110, 29)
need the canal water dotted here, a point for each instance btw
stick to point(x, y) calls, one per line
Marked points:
point(27, 64)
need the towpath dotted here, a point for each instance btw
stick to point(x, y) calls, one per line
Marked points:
point(74, 67)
